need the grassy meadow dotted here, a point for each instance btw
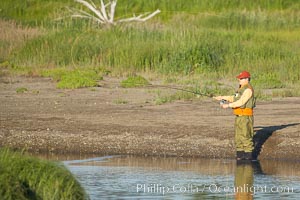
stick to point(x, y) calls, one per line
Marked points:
point(189, 42)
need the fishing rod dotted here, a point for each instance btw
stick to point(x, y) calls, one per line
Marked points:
point(181, 89)
point(223, 101)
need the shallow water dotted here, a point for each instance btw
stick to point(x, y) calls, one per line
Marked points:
point(130, 177)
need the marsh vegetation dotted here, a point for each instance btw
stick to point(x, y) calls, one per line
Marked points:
point(196, 40)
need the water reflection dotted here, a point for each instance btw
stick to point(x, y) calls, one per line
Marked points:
point(243, 180)
point(206, 166)
point(129, 177)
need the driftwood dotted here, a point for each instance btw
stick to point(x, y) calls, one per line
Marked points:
point(105, 15)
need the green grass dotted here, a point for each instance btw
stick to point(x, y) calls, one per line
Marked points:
point(78, 79)
point(74, 78)
point(209, 38)
point(180, 95)
point(267, 81)
point(120, 101)
point(39, 10)
point(33, 12)
point(134, 81)
point(199, 89)
point(25, 177)
point(21, 90)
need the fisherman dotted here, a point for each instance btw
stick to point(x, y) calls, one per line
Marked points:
point(242, 104)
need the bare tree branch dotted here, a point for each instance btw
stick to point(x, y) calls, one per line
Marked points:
point(112, 11)
point(101, 16)
point(82, 14)
point(103, 11)
point(92, 8)
point(139, 18)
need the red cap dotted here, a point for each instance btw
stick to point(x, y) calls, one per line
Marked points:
point(244, 74)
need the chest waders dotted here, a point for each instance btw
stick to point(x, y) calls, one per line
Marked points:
point(244, 125)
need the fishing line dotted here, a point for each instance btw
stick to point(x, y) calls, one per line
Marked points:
point(182, 89)
point(209, 95)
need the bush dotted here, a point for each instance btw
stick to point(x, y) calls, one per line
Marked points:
point(25, 177)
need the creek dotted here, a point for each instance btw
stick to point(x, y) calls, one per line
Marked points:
point(133, 177)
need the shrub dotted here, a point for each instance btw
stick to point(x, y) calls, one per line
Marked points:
point(25, 177)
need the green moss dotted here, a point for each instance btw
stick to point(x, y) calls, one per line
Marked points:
point(76, 78)
point(134, 81)
point(21, 90)
point(120, 101)
point(55, 73)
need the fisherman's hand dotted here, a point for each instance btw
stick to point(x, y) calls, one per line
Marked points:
point(219, 98)
point(225, 106)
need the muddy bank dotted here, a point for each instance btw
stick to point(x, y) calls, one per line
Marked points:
point(113, 120)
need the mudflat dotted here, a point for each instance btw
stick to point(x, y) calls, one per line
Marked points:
point(112, 120)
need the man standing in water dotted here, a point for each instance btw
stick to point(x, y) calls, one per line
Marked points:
point(242, 104)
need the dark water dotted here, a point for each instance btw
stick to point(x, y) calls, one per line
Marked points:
point(128, 177)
